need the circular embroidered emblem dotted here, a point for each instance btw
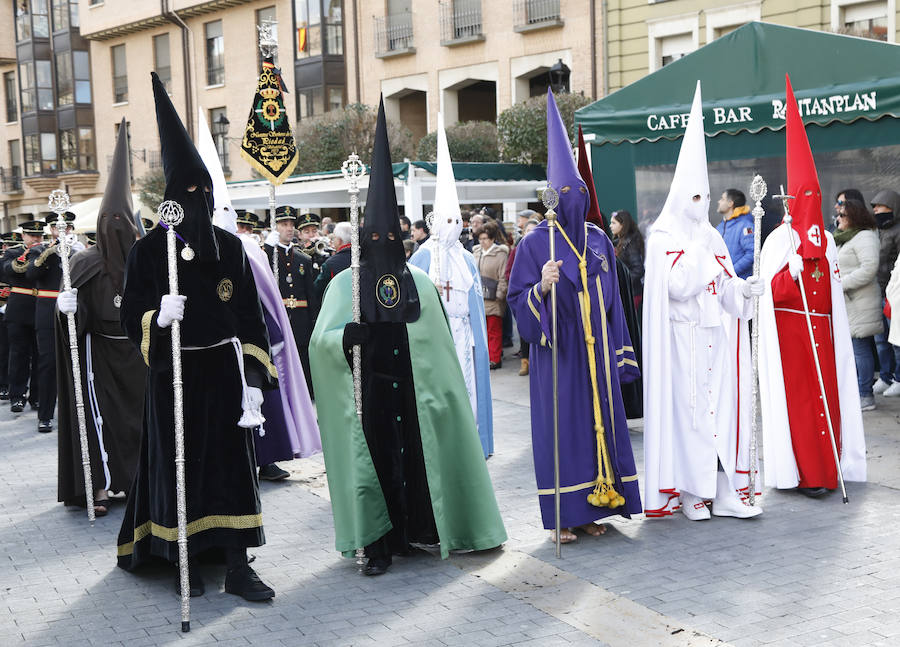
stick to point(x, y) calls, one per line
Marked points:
point(387, 291)
point(225, 289)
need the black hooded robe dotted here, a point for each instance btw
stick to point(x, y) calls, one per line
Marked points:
point(223, 506)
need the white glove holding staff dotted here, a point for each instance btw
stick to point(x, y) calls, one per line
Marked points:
point(753, 287)
point(795, 265)
point(171, 308)
point(67, 301)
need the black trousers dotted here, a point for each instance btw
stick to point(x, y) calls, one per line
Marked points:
point(21, 344)
point(46, 372)
point(4, 354)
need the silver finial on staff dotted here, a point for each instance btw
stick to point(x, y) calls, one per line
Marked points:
point(788, 219)
point(758, 190)
point(550, 198)
point(171, 214)
point(353, 171)
point(58, 203)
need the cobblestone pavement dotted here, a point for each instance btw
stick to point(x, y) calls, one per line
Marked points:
point(804, 573)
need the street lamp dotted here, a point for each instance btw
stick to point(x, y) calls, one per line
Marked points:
point(559, 77)
point(220, 126)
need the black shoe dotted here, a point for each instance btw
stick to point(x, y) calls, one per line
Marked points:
point(4, 393)
point(34, 405)
point(495, 365)
point(195, 582)
point(17, 405)
point(813, 492)
point(376, 567)
point(245, 582)
point(45, 426)
point(507, 343)
point(272, 472)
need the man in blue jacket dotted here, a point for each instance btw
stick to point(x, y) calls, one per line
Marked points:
point(737, 230)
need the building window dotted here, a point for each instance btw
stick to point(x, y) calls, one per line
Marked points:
point(308, 18)
point(65, 13)
point(9, 84)
point(44, 73)
point(119, 73)
point(40, 19)
point(26, 79)
point(87, 157)
point(23, 20)
point(865, 19)
point(49, 162)
point(15, 167)
point(82, 76)
point(162, 64)
point(334, 28)
point(65, 90)
point(68, 150)
point(221, 139)
point(309, 102)
point(32, 155)
point(264, 15)
point(335, 98)
point(671, 48)
point(215, 53)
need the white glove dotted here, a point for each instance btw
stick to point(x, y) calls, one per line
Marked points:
point(549, 275)
point(753, 287)
point(795, 265)
point(171, 308)
point(277, 348)
point(67, 301)
point(252, 407)
point(272, 239)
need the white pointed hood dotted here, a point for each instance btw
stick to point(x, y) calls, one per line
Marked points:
point(448, 263)
point(680, 214)
point(223, 213)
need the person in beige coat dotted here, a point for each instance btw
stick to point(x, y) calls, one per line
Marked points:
point(491, 261)
point(858, 248)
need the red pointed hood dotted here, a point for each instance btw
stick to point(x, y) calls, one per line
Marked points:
point(803, 183)
point(584, 169)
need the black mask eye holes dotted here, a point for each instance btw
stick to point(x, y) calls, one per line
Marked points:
point(390, 235)
point(807, 193)
point(583, 189)
point(449, 220)
point(192, 188)
point(565, 189)
point(375, 236)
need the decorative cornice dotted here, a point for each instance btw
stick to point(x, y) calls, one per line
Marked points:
point(153, 21)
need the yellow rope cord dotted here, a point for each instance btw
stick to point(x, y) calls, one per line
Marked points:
point(604, 495)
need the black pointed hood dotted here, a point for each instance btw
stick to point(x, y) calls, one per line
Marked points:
point(184, 168)
point(387, 289)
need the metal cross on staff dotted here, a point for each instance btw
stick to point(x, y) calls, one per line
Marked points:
point(171, 214)
point(550, 198)
point(788, 219)
point(58, 203)
point(758, 190)
point(353, 171)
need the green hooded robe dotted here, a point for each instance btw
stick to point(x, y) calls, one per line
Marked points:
point(462, 497)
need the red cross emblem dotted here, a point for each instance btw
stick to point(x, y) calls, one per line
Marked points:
point(814, 235)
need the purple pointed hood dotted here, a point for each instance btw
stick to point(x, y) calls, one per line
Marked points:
point(562, 175)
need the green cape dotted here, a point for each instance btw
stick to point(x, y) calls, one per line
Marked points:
point(462, 497)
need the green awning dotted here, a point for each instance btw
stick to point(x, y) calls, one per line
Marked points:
point(836, 78)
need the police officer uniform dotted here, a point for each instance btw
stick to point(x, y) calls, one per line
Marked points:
point(45, 269)
point(10, 239)
point(318, 259)
point(295, 282)
point(20, 308)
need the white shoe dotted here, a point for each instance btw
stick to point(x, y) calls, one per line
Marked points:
point(892, 391)
point(727, 502)
point(693, 507)
point(880, 386)
point(867, 402)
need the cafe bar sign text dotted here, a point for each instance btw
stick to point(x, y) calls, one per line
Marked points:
point(809, 107)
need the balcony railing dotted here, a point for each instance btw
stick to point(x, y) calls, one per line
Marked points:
point(460, 21)
point(536, 14)
point(393, 35)
point(11, 180)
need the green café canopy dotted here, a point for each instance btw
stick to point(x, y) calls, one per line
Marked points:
point(835, 78)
